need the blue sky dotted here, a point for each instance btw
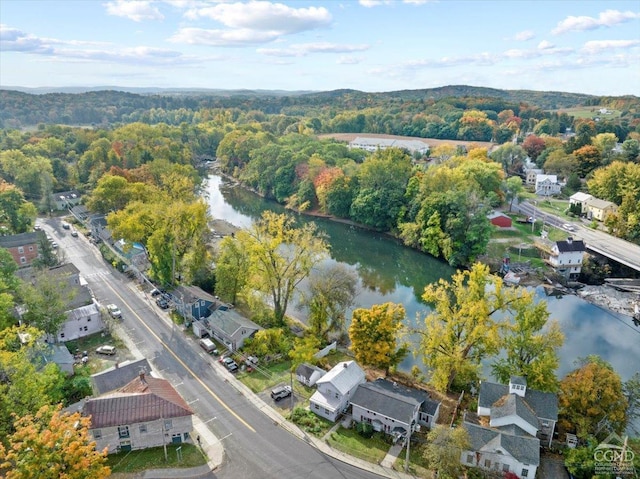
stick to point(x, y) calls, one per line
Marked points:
point(369, 45)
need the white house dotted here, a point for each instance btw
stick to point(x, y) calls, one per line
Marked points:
point(581, 199)
point(392, 408)
point(308, 374)
point(494, 401)
point(147, 412)
point(547, 185)
point(566, 257)
point(335, 389)
point(80, 322)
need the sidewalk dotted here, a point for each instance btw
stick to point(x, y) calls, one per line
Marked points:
point(213, 446)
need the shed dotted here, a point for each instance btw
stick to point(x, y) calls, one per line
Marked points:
point(499, 219)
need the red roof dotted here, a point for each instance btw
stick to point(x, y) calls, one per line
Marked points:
point(144, 399)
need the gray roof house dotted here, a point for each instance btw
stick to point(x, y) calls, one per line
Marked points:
point(541, 404)
point(393, 408)
point(500, 450)
point(227, 326)
point(308, 374)
point(57, 354)
point(335, 389)
point(119, 375)
point(64, 200)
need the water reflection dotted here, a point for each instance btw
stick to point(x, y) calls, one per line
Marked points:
point(389, 272)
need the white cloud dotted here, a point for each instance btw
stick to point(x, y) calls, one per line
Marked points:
point(304, 49)
point(608, 18)
point(348, 60)
point(376, 3)
point(545, 45)
point(596, 46)
point(223, 38)
point(265, 16)
point(524, 36)
point(136, 10)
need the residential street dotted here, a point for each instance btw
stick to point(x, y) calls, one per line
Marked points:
point(255, 446)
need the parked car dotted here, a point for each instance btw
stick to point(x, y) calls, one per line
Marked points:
point(281, 392)
point(65, 225)
point(74, 233)
point(108, 350)
point(230, 364)
point(54, 245)
point(155, 292)
point(162, 302)
point(114, 311)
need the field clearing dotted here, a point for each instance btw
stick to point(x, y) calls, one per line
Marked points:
point(590, 112)
point(432, 142)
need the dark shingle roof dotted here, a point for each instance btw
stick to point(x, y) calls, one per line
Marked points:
point(115, 378)
point(525, 449)
point(142, 400)
point(391, 404)
point(429, 405)
point(569, 246)
point(22, 239)
point(544, 405)
point(514, 405)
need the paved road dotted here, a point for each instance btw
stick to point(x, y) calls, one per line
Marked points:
point(255, 446)
point(597, 241)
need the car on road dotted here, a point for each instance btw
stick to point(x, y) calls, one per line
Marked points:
point(74, 233)
point(54, 245)
point(281, 392)
point(65, 225)
point(114, 311)
point(230, 364)
point(569, 227)
point(108, 350)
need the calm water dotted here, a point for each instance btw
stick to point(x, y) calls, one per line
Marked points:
point(390, 272)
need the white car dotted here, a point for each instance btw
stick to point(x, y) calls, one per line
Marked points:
point(569, 227)
point(114, 311)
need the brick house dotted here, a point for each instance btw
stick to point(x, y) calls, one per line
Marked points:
point(23, 247)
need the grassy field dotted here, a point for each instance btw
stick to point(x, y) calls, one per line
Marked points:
point(590, 112)
point(153, 458)
point(350, 442)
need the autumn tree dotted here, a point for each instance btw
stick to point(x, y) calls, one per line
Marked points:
point(591, 400)
point(374, 335)
point(533, 145)
point(303, 350)
point(51, 445)
point(232, 269)
point(331, 292)
point(588, 158)
point(443, 450)
point(281, 256)
point(530, 344)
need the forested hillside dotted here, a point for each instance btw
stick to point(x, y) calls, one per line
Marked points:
point(107, 107)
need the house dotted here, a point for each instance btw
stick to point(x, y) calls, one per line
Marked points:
point(146, 412)
point(226, 326)
point(65, 200)
point(499, 219)
point(335, 389)
point(547, 185)
point(193, 303)
point(511, 423)
point(54, 353)
point(98, 227)
point(82, 311)
point(500, 450)
point(581, 199)
point(530, 175)
point(566, 257)
point(394, 409)
point(81, 213)
point(119, 375)
point(599, 209)
point(492, 402)
point(308, 375)
point(23, 247)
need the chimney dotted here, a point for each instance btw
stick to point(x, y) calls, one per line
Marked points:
point(569, 240)
point(345, 365)
point(141, 374)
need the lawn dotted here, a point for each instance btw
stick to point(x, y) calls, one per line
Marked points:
point(153, 458)
point(417, 462)
point(350, 442)
point(266, 376)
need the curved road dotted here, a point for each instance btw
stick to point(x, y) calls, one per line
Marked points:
point(255, 447)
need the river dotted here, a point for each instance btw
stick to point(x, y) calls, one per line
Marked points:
point(390, 272)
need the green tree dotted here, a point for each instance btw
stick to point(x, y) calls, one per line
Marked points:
point(232, 269)
point(53, 445)
point(605, 142)
point(281, 256)
point(513, 190)
point(443, 450)
point(374, 335)
point(591, 401)
point(331, 292)
point(16, 214)
point(303, 350)
point(530, 344)
point(47, 301)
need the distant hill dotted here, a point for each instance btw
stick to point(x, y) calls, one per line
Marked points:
point(22, 107)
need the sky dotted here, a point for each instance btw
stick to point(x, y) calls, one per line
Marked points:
point(585, 46)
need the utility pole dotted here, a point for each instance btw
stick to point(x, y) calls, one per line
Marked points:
point(406, 459)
